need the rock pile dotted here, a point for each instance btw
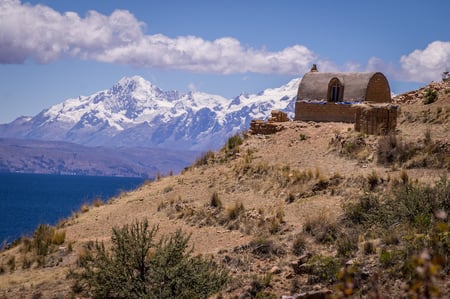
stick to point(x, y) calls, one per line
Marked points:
point(278, 116)
point(413, 97)
point(271, 126)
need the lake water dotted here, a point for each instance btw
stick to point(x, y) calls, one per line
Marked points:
point(27, 200)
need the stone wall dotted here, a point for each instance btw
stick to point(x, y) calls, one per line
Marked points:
point(265, 128)
point(278, 116)
point(271, 126)
point(324, 111)
point(375, 120)
point(370, 119)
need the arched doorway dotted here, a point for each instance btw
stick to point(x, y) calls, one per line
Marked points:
point(335, 90)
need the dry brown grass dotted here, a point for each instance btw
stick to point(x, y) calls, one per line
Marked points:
point(252, 186)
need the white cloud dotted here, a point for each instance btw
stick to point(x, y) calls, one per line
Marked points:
point(40, 33)
point(44, 35)
point(428, 64)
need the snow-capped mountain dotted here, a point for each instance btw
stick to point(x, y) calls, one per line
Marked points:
point(134, 112)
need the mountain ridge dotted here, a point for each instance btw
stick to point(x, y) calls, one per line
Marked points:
point(135, 112)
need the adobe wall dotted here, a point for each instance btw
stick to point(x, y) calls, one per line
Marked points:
point(326, 111)
point(378, 89)
point(376, 120)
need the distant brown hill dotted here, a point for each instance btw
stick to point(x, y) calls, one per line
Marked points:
point(56, 157)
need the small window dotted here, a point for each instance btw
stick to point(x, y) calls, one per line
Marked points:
point(335, 90)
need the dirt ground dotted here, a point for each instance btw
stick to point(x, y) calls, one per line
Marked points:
point(302, 146)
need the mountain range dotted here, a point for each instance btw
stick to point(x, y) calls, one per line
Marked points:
point(135, 114)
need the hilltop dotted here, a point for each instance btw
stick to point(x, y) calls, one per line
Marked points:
point(282, 222)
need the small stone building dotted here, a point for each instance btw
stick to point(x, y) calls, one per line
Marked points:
point(336, 97)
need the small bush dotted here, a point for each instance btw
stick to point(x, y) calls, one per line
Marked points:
point(84, 208)
point(321, 229)
point(205, 158)
point(259, 285)
point(299, 244)
point(290, 198)
point(167, 189)
point(430, 96)
point(369, 248)
point(364, 211)
point(389, 258)
point(233, 143)
point(235, 211)
point(323, 268)
point(42, 239)
point(263, 246)
point(373, 179)
point(139, 267)
point(26, 262)
point(347, 243)
point(59, 237)
point(215, 201)
point(11, 263)
point(98, 202)
point(392, 149)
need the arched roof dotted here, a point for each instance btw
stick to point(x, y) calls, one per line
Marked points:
point(314, 85)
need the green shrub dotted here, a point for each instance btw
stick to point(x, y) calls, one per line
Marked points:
point(232, 145)
point(430, 96)
point(138, 267)
point(263, 246)
point(42, 239)
point(411, 204)
point(258, 286)
point(392, 149)
point(392, 259)
point(323, 268)
point(205, 158)
point(364, 211)
point(347, 243)
point(321, 229)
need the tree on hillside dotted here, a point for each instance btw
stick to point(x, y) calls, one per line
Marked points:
point(138, 267)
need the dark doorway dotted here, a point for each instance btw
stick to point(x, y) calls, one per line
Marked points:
point(335, 90)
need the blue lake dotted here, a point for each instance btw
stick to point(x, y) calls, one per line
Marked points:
point(27, 200)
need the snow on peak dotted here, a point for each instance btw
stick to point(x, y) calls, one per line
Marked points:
point(136, 86)
point(136, 112)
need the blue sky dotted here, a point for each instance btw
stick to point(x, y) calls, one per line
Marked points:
point(51, 50)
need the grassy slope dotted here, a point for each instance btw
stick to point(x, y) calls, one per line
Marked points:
point(279, 179)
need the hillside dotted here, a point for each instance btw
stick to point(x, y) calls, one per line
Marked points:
point(57, 157)
point(283, 222)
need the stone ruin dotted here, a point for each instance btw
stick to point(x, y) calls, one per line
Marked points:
point(271, 126)
point(375, 120)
